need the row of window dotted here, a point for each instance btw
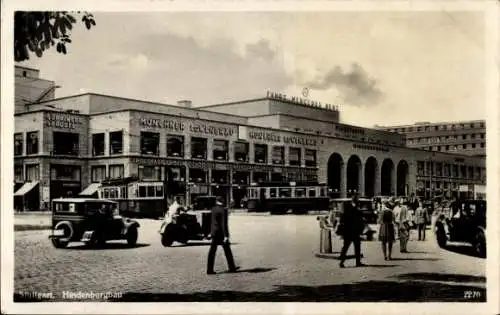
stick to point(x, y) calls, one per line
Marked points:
point(439, 127)
point(448, 170)
point(31, 172)
point(286, 192)
point(197, 176)
point(437, 185)
point(470, 146)
point(471, 136)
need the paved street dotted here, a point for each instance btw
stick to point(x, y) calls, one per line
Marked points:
point(277, 257)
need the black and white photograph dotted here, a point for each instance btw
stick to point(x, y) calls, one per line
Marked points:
point(319, 152)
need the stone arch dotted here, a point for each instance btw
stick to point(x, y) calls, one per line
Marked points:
point(353, 172)
point(371, 173)
point(386, 178)
point(335, 168)
point(402, 178)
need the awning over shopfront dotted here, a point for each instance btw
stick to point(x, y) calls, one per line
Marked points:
point(26, 188)
point(90, 190)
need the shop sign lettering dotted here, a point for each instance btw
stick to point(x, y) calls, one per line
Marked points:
point(274, 137)
point(180, 126)
point(61, 120)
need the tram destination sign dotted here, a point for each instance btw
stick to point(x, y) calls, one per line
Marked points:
point(192, 127)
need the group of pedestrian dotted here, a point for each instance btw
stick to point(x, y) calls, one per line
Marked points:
point(395, 223)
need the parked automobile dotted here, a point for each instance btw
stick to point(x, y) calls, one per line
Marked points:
point(92, 221)
point(466, 222)
point(192, 223)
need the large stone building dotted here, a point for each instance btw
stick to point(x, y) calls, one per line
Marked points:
point(30, 88)
point(66, 145)
point(462, 137)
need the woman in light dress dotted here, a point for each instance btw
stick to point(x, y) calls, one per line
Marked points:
point(386, 232)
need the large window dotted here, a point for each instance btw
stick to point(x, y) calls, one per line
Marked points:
point(116, 142)
point(98, 144)
point(220, 177)
point(310, 157)
point(199, 148)
point(150, 143)
point(32, 142)
point(294, 156)
point(98, 173)
point(32, 172)
point(455, 170)
point(197, 176)
point(278, 155)
point(65, 172)
point(220, 150)
point(470, 172)
point(18, 144)
point(150, 190)
point(66, 143)
point(175, 146)
point(116, 171)
point(149, 173)
point(241, 151)
point(18, 173)
point(463, 171)
point(420, 168)
point(260, 153)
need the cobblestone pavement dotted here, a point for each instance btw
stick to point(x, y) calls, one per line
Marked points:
point(277, 259)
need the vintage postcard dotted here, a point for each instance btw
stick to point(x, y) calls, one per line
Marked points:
point(260, 157)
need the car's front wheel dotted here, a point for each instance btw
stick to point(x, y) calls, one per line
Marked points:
point(132, 235)
point(441, 237)
point(57, 243)
point(480, 244)
point(166, 239)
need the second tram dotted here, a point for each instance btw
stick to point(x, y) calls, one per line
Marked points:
point(279, 197)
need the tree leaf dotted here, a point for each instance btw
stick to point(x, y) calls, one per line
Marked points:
point(93, 22)
point(87, 24)
point(71, 18)
point(58, 47)
point(63, 48)
point(39, 53)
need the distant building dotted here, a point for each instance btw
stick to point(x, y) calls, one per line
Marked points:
point(463, 137)
point(30, 88)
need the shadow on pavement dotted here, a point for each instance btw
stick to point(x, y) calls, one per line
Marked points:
point(253, 270)
point(370, 291)
point(429, 276)
point(123, 245)
point(195, 243)
point(410, 258)
point(462, 249)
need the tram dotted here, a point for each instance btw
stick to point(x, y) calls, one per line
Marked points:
point(135, 198)
point(280, 197)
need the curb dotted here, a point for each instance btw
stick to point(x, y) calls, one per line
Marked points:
point(334, 255)
point(27, 227)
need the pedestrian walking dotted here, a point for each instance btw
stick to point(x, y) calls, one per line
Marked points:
point(422, 216)
point(401, 217)
point(220, 236)
point(386, 232)
point(351, 227)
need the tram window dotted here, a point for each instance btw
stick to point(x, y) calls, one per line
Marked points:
point(300, 192)
point(159, 191)
point(142, 191)
point(322, 191)
point(272, 193)
point(106, 193)
point(312, 192)
point(285, 192)
point(150, 191)
point(123, 192)
point(112, 193)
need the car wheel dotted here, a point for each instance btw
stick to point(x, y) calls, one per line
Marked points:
point(57, 243)
point(441, 237)
point(480, 244)
point(132, 235)
point(167, 240)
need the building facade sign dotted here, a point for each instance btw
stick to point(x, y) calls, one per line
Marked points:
point(277, 138)
point(181, 126)
point(62, 120)
point(205, 165)
point(369, 147)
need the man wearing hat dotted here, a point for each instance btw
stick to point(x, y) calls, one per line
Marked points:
point(401, 218)
point(352, 224)
point(220, 236)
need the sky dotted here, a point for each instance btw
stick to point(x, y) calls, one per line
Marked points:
point(382, 68)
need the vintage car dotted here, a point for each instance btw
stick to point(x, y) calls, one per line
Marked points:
point(366, 206)
point(191, 223)
point(466, 222)
point(92, 221)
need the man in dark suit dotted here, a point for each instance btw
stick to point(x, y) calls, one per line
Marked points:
point(220, 236)
point(353, 225)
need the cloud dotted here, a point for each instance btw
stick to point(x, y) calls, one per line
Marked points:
point(354, 85)
point(261, 49)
